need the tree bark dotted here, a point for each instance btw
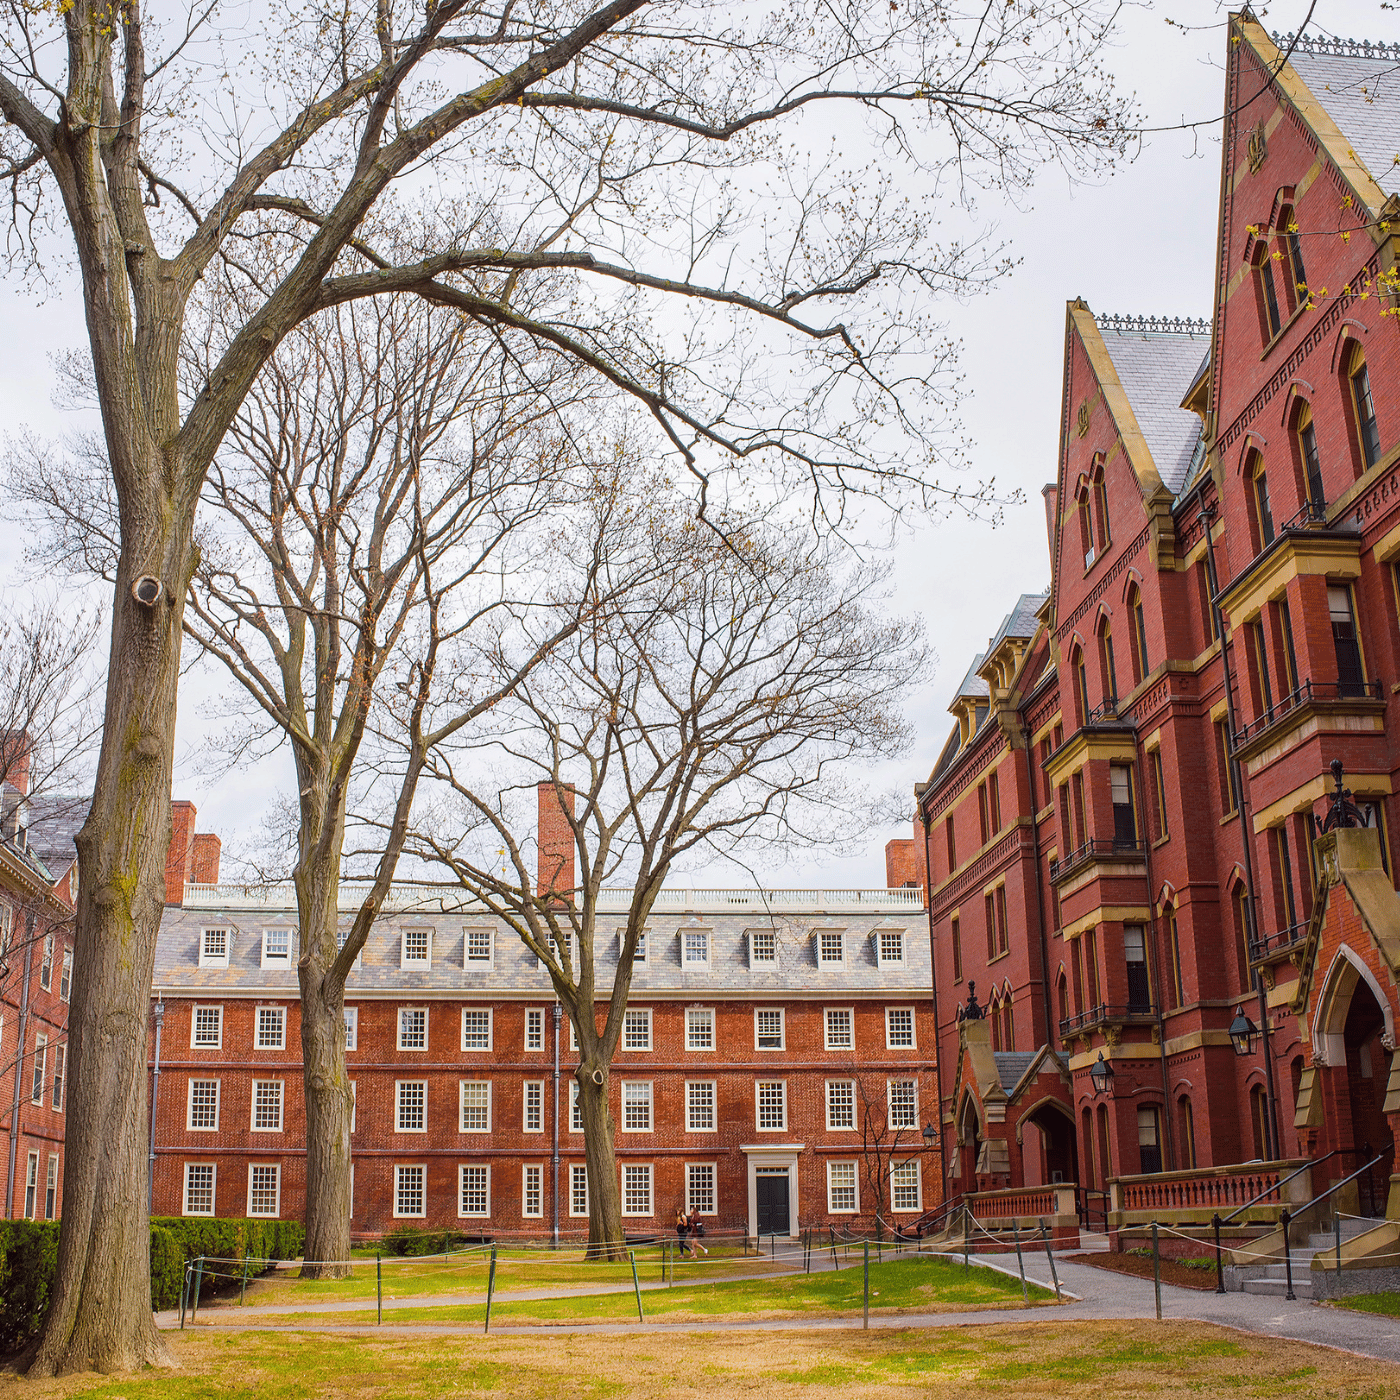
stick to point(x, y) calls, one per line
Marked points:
point(605, 1239)
point(101, 1317)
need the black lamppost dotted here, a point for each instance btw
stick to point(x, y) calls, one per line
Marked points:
point(1102, 1075)
point(1243, 1032)
point(930, 1132)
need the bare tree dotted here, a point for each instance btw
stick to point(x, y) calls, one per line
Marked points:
point(717, 706)
point(890, 1135)
point(610, 151)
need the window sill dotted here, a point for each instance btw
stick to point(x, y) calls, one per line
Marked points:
point(1161, 841)
point(1229, 817)
point(1283, 330)
point(999, 957)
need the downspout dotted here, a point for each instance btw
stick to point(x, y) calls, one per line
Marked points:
point(19, 1060)
point(155, 1100)
point(554, 1158)
point(1246, 840)
point(933, 977)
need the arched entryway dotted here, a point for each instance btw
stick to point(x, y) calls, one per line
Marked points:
point(969, 1142)
point(1049, 1146)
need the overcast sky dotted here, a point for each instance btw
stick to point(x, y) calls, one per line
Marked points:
point(1139, 242)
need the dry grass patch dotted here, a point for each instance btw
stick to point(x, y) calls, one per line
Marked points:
point(1031, 1361)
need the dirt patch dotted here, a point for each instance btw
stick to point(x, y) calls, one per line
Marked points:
point(1176, 1274)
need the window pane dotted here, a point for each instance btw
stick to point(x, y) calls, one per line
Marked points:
point(263, 1190)
point(697, 947)
point(772, 1103)
point(578, 1190)
point(636, 1190)
point(413, 1028)
point(891, 946)
point(831, 947)
point(534, 1105)
point(700, 1187)
point(763, 946)
point(636, 1030)
point(478, 945)
point(770, 1029)
point(838, 1030)
point(204, 1103)
point(904, 1112)
point(199, 1189)
point(899, 1023)
point(408, 1190)
point(267, 1105)
point(841, 1103)
point(636, 1106)
point(473, 1188)
point(699, 1030)
point(476, 1106)
point(532, 1197)
point(841, 1186)
point(272, 1027)
point(700, 1107)
point(476, 1030)
point(534, 1030)
point(412, 1105)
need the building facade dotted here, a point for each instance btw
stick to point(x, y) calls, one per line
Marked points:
point(775, 1068)
point(1124, 833)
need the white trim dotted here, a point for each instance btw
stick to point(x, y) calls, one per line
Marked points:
point(850, 1013)
point(528, 1048)
point(757, 1112)
point(773, 1155)
point(194, 1025)
point(423, 1188)
point(650, 1105)
point(406, 963)
point(782, 1030)
point(214, 959)
point(281, 1106)
point(475, 1011)
point(276, 1212)
point(650, 1212)
point(826, 1095)
point(713, 1169)
point(462, 1105)
point(352, 1028)
point(714, 1106)
point(918, 1205)
point(644, 1011)
point(489, 961)
point(190, 1125)
point(399, 1086)
point(398, 1030)
point(281, 1013)
point(854, 1207)
point(525, 1105)
point(578, 1167)
point(213, 1190)
point(700, 1011)
point(462, 1169)
point(894, 1127)
point(525, 1169)
point(877, 935)
point(913, 1029)
point(270, 959)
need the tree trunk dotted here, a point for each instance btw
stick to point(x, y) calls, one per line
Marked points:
point(326, 1084)
point(605, 1240)
point(100, 1316)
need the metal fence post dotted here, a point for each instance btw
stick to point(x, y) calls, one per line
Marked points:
point(636, 1287)
point(198, 1280)
point(1288, 1258)
point(1219, 1271)
point(491, 1288)
point(865, 1245)
point(1020, 1260)
point(967, 1215)
point(1337, 1228)
point(184, 1294)
point(243, 1292)
point(379, 1288)
point(1050, 1258)
point(1156, 1271)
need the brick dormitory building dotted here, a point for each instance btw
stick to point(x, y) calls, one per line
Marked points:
point(774, 1069)
point(1125, 831)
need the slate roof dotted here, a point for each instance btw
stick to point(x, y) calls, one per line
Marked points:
point(54, 820)
point(1156, 367)
point(1012, 1065)
point(1019, 622)
point(951, 749)
point(972, 686)
point(1358, 86)
point(514, 972)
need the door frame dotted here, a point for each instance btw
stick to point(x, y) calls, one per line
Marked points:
point(772, 1155)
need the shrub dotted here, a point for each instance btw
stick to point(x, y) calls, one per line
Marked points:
point(28, 1253)
point(232, 1240)
point(410, 1241)
point(167, 1269)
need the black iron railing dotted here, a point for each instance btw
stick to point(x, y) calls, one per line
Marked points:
point(1108, 710)
point(1279, 942)
point(1104, 1015)
point(1095, 849)
point(1309, 692)
point(1310, 514)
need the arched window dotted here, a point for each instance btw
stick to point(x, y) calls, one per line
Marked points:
point(1110, 675)
point(1305, 438)
point(1367, 440)
point(1287, 257)
point(1101, 508)
point(1187, 1120)
point(1137, 624)
point(1259, 1121)
point(1008, 1034)
point(994, 1016)
point(1262, 516)
point(1081, 685)
point(1062, 998)
point(1270, 322)
point(1086, 527)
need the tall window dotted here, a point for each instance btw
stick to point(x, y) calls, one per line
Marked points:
point(199, 1188)
point(410, 1190)
point(1188, 1132)
point(772, 1104)
point(1293, 250)
point(578, 1190)
point(41, 1061)
point(203, 1113)
point(213, 948)
point(763, 946)
point(412, 1106)
point(700, 1187)
point(956, 932)
point(208, 1028)
point(46, 963)
point(1120, 782)
point(1110, 673)
point(532, 1192)
point(840, 1188)
point(1174, 953)
point(636, 1029)
point(1263, 511)
point(1139, 983)
point(1269, 319)
point(1100, 509)
point(1002, 937)
point(475, 1106)
point(1222, 767)
point(1261, 662)
point(952, 843)
point(267, 1105)
point(899, 1027)
point(534, 1106)
point(60, 1070)
point(1081, 687)
point(983, 819)
point(272, 1028)
point(476, 1030)
point(1346, 643)
point(768, 1030)
point(478, 945)
point(1259, 1121)
point(264, 1190)
point(1138, 625)
point(636, 1190)
point(903, 1098)
point(700, 1106)
point(1149, 1124)
point(1086, 527)
point(1312, 465)
point(636, 1106)
point(474, 1190)
point(413, 1028)
point(1368, 439)
point(840, 1104)
point(699, 1028)
point(1159, 794)
point(1287, 908)
point(1290, 656)
point(905, 1194)
point(994, 802)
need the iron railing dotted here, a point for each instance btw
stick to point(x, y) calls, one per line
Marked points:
point(1278, 942)
point(1310, 513)
point(1308, 692)
point(1104, 1014)
point(1092, 849)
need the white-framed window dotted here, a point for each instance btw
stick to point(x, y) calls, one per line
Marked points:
point(904, 1103)
point(352, 1027)
point(534, 1028)
point(271, 1032)
point(699, 1028)
point(213, 950)
point(575, 1108)
point(695, 947)
point(199, 1188)
point(354, 1103)
point(700, 1105)
point(264, 1190)
point(899, 1028)
point(60, 1075)
point(532, 1192)
point(636, 1028)
point(636, 1105)
point(839, 1022)
point(640, 956)
point(475, 1106)
point(476, 1030)
point(31, 1186)
point(342, 933)
point(51, 1187)
point(207, 1028)
point(841, 1188)
point(410, 1189)
point(831, 945)
point(889, 947)
point(700, 1187)
point(534, 1106)
point(41, 1069)
point(65, 977)
point(906, 1187)
point(840, 1104)
point(411, 1105)
point(763, 946)
point(578, 1189)
point(7, 928)
point(473, 1190)
point(771, 1095)
point(202, 1109)
point(413, 1028)
point(277, 947)
point(267, 1105)
point(477, 947)
point(636, 1189)
point(768, 1028)
point(46, 963)
point(416, 948)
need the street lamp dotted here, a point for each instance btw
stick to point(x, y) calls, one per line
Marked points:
point(1102, 1075)
point(930, 1132)
point(1243, 1032)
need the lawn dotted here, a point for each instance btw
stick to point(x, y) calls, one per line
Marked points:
point(910, 1284)
point(1029, 1361)
point(1384, 1304)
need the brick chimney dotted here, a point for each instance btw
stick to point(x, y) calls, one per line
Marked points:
point(14, 759)
point(555, 839)
point(204, 859)
point(904, 860)
point(178, 859)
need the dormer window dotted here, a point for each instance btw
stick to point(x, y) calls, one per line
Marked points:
point(477, 946)
point(277, 947)
point(889, 947)
point(695, 947)
point(640, 956)
point(417, 948)
point(213, 947)
point(831, 946)
point(763, 946)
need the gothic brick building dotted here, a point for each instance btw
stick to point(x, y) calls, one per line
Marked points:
point(1122, 832)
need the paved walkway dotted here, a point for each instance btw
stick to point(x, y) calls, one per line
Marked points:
point(1100, 1296)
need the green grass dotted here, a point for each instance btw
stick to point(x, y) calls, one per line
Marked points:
point(1382, 1304)
point(910, 1284)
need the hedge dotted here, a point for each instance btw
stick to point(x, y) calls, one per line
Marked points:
point(411, 1241)
point(29, 1253)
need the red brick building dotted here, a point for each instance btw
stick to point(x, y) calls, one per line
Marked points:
point(1122, 831)
point(775, 1069)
